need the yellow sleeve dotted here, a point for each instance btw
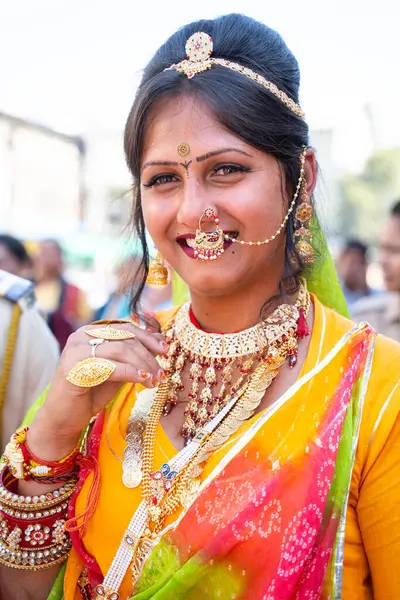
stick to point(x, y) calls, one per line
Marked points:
point(372, 543)
point(378, 506)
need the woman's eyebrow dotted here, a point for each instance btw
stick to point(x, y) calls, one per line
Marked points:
point(221, 151)
point(161, 163)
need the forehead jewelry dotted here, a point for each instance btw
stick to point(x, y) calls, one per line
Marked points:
point(199, 49)
point(209, 246)
point(281, 227)
point(183, 149)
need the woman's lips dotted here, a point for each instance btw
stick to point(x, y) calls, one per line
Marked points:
point(189, 251)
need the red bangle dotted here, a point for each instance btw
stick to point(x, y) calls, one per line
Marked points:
point(36, 532)
point(32, 530)
point(26, 465)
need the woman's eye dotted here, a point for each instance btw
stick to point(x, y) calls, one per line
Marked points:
point(230, 169)
point(160, 180)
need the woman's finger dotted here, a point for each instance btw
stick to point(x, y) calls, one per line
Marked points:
point(131, 352)
point(154, 342)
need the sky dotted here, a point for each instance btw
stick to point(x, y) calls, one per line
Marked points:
point(74, 64)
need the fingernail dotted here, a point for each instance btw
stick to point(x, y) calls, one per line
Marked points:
point(161, 376)
point(164, 345)
point(143, 374)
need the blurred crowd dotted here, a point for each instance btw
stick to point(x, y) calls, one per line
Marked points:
point(63, 304)
point(379, 306)
point(39, 309)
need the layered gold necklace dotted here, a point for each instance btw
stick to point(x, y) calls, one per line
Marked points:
point(233, 355)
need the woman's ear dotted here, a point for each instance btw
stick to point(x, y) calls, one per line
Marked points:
point(310, 171)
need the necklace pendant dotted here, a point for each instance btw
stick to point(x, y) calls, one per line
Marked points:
point(210, 376)
point(132, 478)
point(202, 416)
point(177, 381)
point(192, 407)
point(154, 513)
point(227, 373)
point(206, 395)
point(195, 371)
point(188, 428)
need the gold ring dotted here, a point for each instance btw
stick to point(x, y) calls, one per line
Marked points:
point(91, 371)
point(110, 334)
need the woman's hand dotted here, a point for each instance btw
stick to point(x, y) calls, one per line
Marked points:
point(68, 408)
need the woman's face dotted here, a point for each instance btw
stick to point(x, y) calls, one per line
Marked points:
point(243, 185)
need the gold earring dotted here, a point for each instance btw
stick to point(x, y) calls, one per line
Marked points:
point(303, 235)
point(158, 272)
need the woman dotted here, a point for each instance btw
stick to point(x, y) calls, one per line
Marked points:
point(251, 452)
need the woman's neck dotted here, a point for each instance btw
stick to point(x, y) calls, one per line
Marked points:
point(227, 314)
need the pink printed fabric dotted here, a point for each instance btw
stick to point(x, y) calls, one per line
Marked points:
point(268, 526)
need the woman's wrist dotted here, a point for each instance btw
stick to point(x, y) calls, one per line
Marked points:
point(50, 442)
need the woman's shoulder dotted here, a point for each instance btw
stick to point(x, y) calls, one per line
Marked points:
point(382, 374)
point(386, 361)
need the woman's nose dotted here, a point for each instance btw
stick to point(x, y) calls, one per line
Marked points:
point(193, 202)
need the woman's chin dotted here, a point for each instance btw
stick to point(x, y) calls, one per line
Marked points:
point(212, 282)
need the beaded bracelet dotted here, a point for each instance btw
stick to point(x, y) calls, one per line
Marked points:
point(25, 465)
point(32, 529)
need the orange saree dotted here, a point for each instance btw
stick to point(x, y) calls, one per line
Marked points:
point(301, 502)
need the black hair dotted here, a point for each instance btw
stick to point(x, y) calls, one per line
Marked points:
point(356, 245)
point(16, 248)
point(395, 210)
point(242, 106)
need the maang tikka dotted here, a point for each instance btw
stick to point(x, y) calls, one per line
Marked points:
point(209, 246)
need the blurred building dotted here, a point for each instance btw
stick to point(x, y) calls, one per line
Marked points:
point(326, 193)
point(41, 179)
point(107, 182)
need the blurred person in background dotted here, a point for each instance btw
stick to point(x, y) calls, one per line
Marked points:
point(153, 298)
point(14, 257)
point(117, 306)
point(28, 350)
point(352, 266)
point(383, 310)
point(65, 304)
